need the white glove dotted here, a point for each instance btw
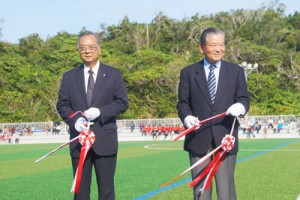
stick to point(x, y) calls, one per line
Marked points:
point(81, 125)
point(92, 113)
point(236, 110)
point(190, 121)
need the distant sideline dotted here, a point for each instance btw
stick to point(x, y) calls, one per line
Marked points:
point(287, 121)
point(256, 127)
point(136, 135)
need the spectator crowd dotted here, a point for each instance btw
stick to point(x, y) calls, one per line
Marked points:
point(274, 125)
point(162, 130)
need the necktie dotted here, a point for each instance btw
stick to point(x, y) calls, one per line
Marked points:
point(90, 87)
point(212, 83)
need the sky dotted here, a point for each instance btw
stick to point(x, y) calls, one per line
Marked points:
point(21, 18)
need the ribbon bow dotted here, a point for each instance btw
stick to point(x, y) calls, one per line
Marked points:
point(86, 138)
point(228, 142)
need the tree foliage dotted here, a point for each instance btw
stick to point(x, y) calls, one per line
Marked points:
point(151, 56)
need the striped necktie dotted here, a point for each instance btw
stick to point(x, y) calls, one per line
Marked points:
point(90, 87)
point(212, 83)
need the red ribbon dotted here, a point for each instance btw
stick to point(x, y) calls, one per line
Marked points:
point(86, 139)
point(221, 151)
point(208, 180)
point(197, 125)
point(212, 167)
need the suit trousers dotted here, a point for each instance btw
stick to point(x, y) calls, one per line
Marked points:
point(105, 167)
point(224, 178)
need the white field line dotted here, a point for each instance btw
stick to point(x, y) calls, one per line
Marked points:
point(279, 150)
point(155, 147)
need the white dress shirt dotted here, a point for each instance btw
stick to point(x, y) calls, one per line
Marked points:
point(86, 73)
point(216, 71)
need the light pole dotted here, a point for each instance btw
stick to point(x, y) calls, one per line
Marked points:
point(248, 68)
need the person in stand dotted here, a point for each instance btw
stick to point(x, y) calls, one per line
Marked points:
point(154, 132)
point(207, 88)
point(142, 125)
point(257, 126)
point(144, 131)
point(132, 127)
point(98, 90)
point(150, 129)
point(265, 132)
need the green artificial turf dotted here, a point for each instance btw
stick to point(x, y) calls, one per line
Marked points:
point(266, 169)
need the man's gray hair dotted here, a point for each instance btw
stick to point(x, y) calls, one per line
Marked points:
point(208, 31)
point(85, 33)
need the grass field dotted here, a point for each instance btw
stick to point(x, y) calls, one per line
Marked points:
point(267, 169)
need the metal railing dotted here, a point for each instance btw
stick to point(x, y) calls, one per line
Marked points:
point(287, 120)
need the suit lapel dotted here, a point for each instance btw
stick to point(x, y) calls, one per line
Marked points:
point(202, 82)
point(80, 83)
point(223, 79)
point(102, 73)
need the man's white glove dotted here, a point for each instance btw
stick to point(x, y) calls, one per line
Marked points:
point(81, 125)
point(236, 110)
point(190, 121)
point(92, 113)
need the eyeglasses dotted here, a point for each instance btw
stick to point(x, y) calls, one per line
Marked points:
point(88, 48)
point(214, 45)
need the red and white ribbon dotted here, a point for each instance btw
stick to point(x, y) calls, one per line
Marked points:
point(56, 149)
point(86, 139)
point(210, 170)
point(65, 144)
point(221, 151)
point(199, 123)
point(228, 142)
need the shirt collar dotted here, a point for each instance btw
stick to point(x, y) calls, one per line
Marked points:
point(207, 64)
point(95, 68)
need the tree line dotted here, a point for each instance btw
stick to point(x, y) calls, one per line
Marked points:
point(150, 57)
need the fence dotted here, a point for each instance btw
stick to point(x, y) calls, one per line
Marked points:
point(125, 124)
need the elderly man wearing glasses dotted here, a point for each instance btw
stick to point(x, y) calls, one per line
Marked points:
point(98, 91)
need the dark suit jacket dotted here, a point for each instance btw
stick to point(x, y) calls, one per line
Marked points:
point(194, 99)
point(109, 96)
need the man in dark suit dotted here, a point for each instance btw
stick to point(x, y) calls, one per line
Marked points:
point(99, 92)
point(198, 99)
